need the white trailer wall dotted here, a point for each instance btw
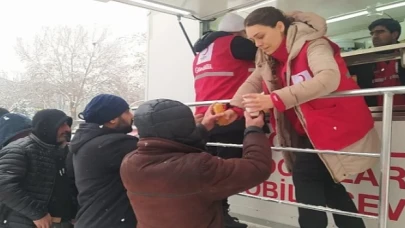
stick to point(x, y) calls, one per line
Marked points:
point(170, 58)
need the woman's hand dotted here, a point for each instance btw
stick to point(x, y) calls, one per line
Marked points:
point(257, 102)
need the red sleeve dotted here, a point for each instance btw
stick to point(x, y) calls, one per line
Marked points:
point(278, 103)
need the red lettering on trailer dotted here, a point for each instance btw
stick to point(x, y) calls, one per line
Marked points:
point(398, 175)
point(368, 205)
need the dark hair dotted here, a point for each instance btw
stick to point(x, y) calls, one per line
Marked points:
point(3, 111)
point(267, 16)
point(389, 23)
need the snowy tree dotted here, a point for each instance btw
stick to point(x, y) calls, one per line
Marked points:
point(67, 65)
point(10, 91)
point(24, 107)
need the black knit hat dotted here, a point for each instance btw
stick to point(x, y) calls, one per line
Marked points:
point(46, 123)
point(103, 108)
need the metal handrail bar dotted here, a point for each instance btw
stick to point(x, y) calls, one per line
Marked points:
point(347, 93)
point(374, 50)
point(311, 207)
point(300, 150)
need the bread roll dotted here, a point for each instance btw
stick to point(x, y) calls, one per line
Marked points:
point(220, 108)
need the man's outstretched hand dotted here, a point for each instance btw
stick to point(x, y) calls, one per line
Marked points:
point(209, 119)
point(256, 122)
point(44, 222)
point(198, 118)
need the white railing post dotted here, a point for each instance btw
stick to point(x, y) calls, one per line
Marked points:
point(385, 161)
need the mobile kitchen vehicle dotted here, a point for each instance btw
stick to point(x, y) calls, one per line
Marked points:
point(271, 204)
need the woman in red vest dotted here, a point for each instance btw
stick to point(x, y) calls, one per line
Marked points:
point(296, 65)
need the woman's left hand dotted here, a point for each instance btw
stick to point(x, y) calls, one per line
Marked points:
point(257, 102)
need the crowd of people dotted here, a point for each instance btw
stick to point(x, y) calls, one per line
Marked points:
point(274, 66)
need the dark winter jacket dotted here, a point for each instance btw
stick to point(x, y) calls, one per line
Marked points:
point(33, 180)
point(27, 175)
point(96, 156)
point(172, 182)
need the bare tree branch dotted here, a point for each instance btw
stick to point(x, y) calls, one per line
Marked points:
point(67, 66)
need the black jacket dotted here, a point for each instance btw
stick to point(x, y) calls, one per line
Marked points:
point(27, 176)
point(96, 157)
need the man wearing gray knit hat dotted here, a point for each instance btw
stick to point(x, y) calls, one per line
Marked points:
point(96, 153)
point(222, 54)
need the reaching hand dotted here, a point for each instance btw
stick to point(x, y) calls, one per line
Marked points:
point(44, 222)
point(210, 118)
point(257, 121)
point(229, 117)
point(198, 118)
point(257, 102)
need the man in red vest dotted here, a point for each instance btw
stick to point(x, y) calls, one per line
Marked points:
point(384, 31)
point(224, 61)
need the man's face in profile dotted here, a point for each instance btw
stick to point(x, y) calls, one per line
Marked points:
point(64, 133)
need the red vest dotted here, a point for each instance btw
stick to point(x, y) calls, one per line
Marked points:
point(331, 123)
point(217, 74)
point(386, 75)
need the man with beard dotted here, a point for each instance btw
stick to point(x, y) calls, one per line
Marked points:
point(34, 187)
point(384, 32)
point(97, 150)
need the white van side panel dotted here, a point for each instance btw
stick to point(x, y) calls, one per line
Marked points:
point(170, 58)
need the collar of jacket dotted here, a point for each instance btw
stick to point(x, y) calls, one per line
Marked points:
point(42, 144)
point(281, 53)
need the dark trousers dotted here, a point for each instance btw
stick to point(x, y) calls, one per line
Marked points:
point(232, 133)
point(314, 185)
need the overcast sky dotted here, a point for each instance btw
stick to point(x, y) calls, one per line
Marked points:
point(24, 18)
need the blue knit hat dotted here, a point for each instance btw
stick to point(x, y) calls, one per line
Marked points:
point(12, 124)
point(103, 108)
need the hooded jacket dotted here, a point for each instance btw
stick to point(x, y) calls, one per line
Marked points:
point(28, 171)
point(96, 156)
point(173, 182)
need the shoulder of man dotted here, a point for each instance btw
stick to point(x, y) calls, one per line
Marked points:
point(116, 141)
point(18, 146)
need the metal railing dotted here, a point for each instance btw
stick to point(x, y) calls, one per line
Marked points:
point(385, 155)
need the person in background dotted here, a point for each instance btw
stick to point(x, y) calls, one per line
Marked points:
point(296, 66)
point(171, 180)
point(3, 111)
point(34, 189)
point(384, 31)
point(224, 61)
point(96, 153)
point(12, 127)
